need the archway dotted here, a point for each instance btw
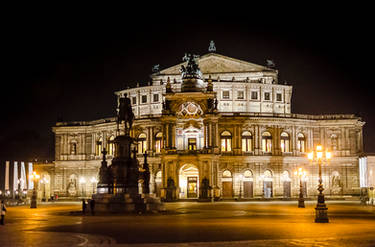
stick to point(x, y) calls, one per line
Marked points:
point(285, 178)
point(227, 184)
point(267, 184)
point(248, 184)
point(158, 183)
point(189, 181)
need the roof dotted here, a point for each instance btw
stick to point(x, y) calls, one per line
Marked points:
point(213, 63)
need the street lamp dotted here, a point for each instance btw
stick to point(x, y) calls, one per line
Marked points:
point(320, 156)
point(35, 177)
point(82, 182)
point(301, 174)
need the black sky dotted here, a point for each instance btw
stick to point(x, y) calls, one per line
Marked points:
point(68, 66)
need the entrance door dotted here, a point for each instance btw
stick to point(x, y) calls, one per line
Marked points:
point(248, 189)
point(287, 189)
point(192, 143)
point(267, 189)
point(227, 189)
point(192, 187)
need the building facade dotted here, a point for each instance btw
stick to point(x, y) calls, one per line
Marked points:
point(218, 121)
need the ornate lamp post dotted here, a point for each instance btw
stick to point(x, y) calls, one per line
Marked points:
point(35, 177)
point(301, 174)
point(321, 209)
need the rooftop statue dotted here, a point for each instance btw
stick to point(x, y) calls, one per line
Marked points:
point(212, 47)
point(191, 70)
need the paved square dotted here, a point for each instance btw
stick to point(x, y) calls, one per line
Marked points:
point(192, 224)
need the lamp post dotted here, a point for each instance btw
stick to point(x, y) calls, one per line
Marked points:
point(82, 182)
point(301, 173)
point(35, 177)
point(321, 209)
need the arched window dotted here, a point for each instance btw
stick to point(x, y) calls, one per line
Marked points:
point(227, 174)
point(247, 142)
point(73, 147)
point(158, 142)
point(142, 143)
point(248, 174)
point(266, 142)
point(99, 146)
point(333, 142)
point(111, 145)
point(226, 141)
point(301, 140)
point(284, 142)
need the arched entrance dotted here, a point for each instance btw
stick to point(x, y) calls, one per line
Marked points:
point(248, 184)
point(158, 183)
point(189, 181)
point(267, 184)
point(285, 178)
point(227, 184)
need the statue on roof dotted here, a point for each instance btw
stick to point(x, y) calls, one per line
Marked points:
point(192, 69)
point(212, 47)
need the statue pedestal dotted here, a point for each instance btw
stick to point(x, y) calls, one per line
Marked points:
point(126, 203)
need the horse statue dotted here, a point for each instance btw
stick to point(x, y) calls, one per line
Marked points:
point(125, 113)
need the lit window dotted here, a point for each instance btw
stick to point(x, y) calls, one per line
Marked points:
point(134, 100)
point(279, 97)
point(158, 142)
point(225, 94)
point(227, 174)
point(192, 143)
point(266, 142)
point(254, 95)
point(99, 145)
point(301, 142)
point(267, 96)
point(156, 97)
point(226, 141)
point(247, 141)
point(284, 142)
point(248, 174)
point(333, 142)
point(142, 144)
point(144, 98)
point(111, 145)
point(240, 95)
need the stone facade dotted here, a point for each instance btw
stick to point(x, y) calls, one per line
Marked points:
point(247, 146)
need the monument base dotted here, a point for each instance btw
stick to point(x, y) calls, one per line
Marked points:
point(126, 203)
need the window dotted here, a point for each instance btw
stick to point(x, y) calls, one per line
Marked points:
point(98, 149)
point(192, 143)
point(254, 95)
point(301, 142)
point(144, 98)
point(226, 141)
point(142, 144)
point(267, 96)
point(158, 142)
point(240, 95)
point(284, 142)
point(225, 94)
point(227, 174)
point(156, 97)
point(266, 142)
point(134, 100)
point(333, 142)
point(279, 97)
point(247, 142)
point(111, 145)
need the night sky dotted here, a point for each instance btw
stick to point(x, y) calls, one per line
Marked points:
point(67, 66)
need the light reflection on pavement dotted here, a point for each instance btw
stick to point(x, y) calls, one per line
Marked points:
point(193, 224)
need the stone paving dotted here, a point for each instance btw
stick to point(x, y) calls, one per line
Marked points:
point(192, 224)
